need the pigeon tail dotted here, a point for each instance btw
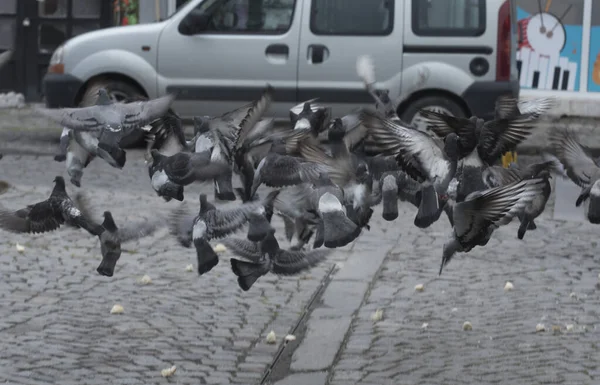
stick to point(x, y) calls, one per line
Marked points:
point(532, 225)
point(338, 229)
point(106, 267)
point(593, 213)
point(170, 190)
point(258, 227)
point(390, 198)
point(207, 258)
point(115, 156)
point(429, 207)
point(109, 223)
point(248, 273)
point(224, 187)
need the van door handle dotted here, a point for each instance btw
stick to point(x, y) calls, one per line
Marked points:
point(277, 49)
point(317, 53)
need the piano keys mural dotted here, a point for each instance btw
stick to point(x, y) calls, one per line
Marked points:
point(549, 45)
point(594, 59)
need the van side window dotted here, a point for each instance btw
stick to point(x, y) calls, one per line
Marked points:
point(448, 17)
point(249, 16)
point(352, 17)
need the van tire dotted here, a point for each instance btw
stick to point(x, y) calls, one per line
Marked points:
point(408, 114)
point(120, 87)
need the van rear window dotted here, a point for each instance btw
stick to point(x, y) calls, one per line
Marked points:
point(352, 17)
point(448, 17)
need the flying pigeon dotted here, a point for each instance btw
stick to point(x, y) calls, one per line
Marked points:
point(267, 257)
point(212, 223)
point(48, 215)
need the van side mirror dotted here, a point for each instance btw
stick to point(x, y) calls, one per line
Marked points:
point(194, 23)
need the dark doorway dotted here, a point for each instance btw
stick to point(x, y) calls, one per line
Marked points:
point(35, 28)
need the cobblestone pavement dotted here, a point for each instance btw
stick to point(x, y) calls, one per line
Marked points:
point(55, 321)
point(420, 340)
point(56, 327)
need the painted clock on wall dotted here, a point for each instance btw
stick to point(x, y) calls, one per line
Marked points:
point(549, 53)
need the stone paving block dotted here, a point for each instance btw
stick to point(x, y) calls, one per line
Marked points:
point(316, 378)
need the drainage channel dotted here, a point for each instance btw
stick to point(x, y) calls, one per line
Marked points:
point(281, 363)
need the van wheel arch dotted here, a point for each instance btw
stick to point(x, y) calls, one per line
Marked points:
point(118, 84)
point(409, 108)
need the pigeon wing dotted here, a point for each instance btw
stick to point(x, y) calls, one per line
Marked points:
point(140, 114)
point(82, 119)
point(576, 159)
point(244, 248)
point(42, 217)
point(496, 206)
point(225, 221)
point(181, 225)
point(291, 262)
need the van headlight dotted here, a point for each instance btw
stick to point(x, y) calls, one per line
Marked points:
point(57, 56)
point(56, 65)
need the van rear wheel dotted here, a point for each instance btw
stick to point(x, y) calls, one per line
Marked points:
point(118, 91)
point(440, 104)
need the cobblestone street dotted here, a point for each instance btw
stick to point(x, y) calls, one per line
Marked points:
point(56, 326)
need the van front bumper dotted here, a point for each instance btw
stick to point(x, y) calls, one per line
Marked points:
point(60, 90)
point(481, 96)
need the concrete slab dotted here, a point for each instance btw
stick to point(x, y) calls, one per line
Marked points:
point(320, 345)
point(317, 378)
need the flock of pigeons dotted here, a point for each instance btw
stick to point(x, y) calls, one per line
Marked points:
point(326, 174)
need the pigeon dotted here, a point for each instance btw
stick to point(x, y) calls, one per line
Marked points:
point(277, 170)
point(482, 143)
point(229, 133)
point(108, 116)
point(325, 199)
point(580, 168)
point(112, 236)
point(168, 174)
point(426, 159)
point(365, 68)
point(63, 145)
point(48, 215)
point(482, 212)
point(310, 116)
point(77, 158)
point(267, 257)
point(496, 176)
point(212, 223)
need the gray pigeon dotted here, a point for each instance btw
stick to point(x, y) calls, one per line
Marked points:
point(310, 116)
point(430, 161)
point(48, 215)
point(169, 174)
point(212, 223)
point(109, 116)
point(580, 168)
point(267, 257)
point(496, 176)
point(476, 218)
point(112, 236)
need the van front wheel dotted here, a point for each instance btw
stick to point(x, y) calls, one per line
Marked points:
point(441, 104)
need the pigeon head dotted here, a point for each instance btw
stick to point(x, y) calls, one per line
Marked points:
point(336, 131)
point(306, 109)
point(103, 97)
point(383, 95)
point(200, 125)
point(59, 183)
point(362, 173)
point(109, 223)
point(205, 205)
point(451, 146)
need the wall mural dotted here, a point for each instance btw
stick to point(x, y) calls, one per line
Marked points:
point(549, 46)
point(594, 64)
